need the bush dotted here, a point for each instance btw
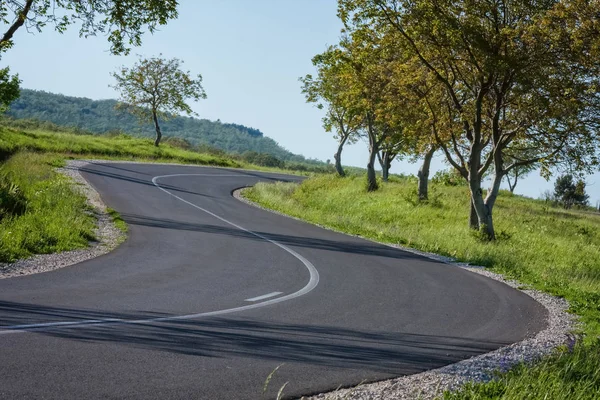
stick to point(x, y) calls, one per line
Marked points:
point(449, 177)
point(262, 159)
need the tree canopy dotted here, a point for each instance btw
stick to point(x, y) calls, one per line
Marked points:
point(497, 80)
point(122, 21)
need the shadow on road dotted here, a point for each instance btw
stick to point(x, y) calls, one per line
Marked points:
point(385, 352)
point(140, 181)
point(350, 247)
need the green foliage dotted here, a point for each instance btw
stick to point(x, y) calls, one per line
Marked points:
point(121, 21)
point(12, 199)
point(9, 88)
point(262, 159)
point(54, 219)
point(449, 177)
point(85, 115)
point(495, 81)
point(570, 193)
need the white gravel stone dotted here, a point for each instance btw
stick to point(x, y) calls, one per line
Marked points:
point(431, 384)
point(107, 234)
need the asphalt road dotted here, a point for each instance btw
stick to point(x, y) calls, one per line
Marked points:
point(208, 295)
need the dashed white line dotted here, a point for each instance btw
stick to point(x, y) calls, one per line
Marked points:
point(264, 296)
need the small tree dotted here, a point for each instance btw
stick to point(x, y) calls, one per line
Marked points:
point(156, 87)
point(570, 193)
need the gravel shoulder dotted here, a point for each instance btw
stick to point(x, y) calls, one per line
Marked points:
point(107, 234)
point(431, 384)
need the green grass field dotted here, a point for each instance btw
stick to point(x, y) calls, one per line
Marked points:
point(103, 147)
point(551, 249)
point(39, 211)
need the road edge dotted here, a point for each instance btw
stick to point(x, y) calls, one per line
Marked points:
point(108, 235)
point(431, 384)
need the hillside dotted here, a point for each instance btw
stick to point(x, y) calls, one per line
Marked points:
point(100, 116)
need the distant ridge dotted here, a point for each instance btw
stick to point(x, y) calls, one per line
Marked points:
point(100, 116)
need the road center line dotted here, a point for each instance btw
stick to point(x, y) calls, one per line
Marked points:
point(312, 283)
point(264, 296)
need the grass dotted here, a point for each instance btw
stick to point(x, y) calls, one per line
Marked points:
point(103, 147)
point(54, 218)
point(117, 220)
point(551, 249)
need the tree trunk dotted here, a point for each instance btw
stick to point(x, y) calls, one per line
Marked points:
point(473, 219)
point(484, 207)
point(158, 132)
point(338, 163)
point(483, 212)
point(511, 185)
point(385, 162)
point(371, 175)
point(385, 171)
point(423, 174)
point(338, 157)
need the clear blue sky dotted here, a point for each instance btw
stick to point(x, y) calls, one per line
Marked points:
point(250, 54)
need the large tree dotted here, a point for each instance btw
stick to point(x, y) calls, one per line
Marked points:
point(122, 21)
point(157, 88)
point(499, 79)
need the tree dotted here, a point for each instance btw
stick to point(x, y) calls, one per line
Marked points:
point(122, 21)
point(374, 97)
point(156, 87)
point(570, 193)
point(9, 88)
point(328, 91)
point(499, 80)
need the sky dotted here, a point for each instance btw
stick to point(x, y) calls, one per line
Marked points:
point(250, 54)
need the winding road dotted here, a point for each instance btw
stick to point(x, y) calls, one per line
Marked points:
point(208, 295)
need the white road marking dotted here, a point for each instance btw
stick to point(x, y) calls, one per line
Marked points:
point(264, 296)
point(312, 283)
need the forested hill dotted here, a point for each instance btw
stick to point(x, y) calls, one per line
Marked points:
point(100, 116)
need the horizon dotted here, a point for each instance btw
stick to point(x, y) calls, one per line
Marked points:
point(250, 67)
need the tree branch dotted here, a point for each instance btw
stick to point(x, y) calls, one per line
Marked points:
point(17, 24)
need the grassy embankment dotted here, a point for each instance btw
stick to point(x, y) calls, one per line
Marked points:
point(551, 249)
point(39, 212)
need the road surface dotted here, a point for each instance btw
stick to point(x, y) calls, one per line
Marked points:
point(208, 295)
